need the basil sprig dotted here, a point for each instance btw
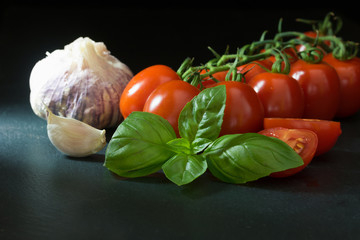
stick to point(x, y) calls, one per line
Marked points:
point(145, 143)
point(201, 119)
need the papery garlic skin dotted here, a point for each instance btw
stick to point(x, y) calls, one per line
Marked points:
point(73, 137)
point(83, 81)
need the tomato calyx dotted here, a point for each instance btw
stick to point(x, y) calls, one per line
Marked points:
point(282, 62)
point(330, 25)
point(345, 50)
point(312, 55)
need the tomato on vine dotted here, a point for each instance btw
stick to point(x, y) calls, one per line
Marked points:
point(321, 85)
point(329, 26)
point(280, 94)
point(349, 76)
point(141, 85)
point(249, 71)
point(313, 34)
point(243, 110)
point(254, 68)
point(168, 99)
point(208, 81)
point(290, 53)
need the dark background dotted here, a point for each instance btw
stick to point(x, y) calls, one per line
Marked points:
point(141, 35)
point(45, 195)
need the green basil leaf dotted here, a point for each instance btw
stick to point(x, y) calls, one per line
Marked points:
point(201, 118)
point(139, 145)
point(199, 144)
point(184, 168)
point(180, 145)
point(241, 158)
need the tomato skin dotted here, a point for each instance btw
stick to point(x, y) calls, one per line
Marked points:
point(280, 94)
point(243, 111)
point(321, 86)
point(349, 75)
point(141, 85)
point(168, 99)
point(303, 141)
point(327, 131)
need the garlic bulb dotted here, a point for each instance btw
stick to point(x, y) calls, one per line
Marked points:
point(73, 137)
point(82, 81)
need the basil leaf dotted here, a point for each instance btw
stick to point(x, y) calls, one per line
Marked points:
point(183, 168)
point(201, 118)
point(139, 145)
point(180, 145)
point(241, 158)
point(199, 144)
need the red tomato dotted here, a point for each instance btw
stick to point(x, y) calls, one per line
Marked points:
point(349, 75)
point(321, 86)
point(312, 34)
point(141, 85)
point(208, 82)
point(303, 141)
point(327, 131)
point(290, 53)
point(243, 111)
point(252, 69)
point(280, 94)
point(168, 99)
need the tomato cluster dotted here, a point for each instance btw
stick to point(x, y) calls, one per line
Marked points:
point(157, 89)
point(296, 101)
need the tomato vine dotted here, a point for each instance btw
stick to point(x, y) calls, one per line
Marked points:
point(323, 40)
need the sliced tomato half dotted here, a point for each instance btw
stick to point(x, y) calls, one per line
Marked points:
point(327, 131)
point(303, 141)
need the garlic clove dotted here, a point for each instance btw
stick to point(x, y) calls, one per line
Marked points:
point(73, 137)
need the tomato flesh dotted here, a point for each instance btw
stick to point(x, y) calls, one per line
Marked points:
point(327, 131)
point(303, 141)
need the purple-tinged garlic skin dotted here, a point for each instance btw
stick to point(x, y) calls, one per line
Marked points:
point(82, 81)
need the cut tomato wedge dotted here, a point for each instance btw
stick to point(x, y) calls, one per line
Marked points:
point(327, 131)
point(303, 141)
